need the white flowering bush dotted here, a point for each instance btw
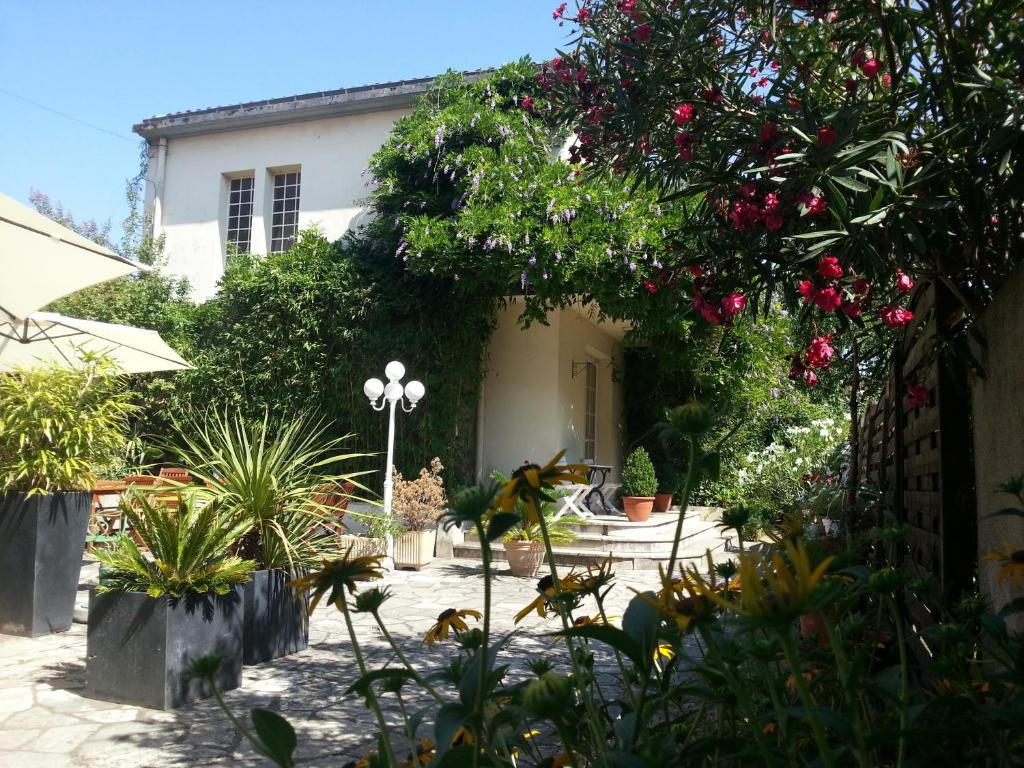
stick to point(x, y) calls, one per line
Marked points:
point(774, 476)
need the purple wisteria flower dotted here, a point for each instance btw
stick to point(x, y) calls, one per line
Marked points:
point(439, 137)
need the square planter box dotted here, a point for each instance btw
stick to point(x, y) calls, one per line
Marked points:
point(414, 549)
point(140, 648)
point(276, 617)
point(42, 541)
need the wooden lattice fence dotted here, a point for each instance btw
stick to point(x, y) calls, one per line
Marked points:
point(920, 458)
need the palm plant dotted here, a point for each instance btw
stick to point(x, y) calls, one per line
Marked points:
point(188, 545)
point(271, 475)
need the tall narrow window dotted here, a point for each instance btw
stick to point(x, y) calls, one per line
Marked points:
point(285, 222)
point(240, 213)
point(590, 413)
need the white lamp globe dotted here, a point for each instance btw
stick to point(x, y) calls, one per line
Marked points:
point(394, 371)
point(414, 390)
point(393, 391)
point(373, 388)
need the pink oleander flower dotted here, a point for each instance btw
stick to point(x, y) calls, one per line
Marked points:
point(904, 283)
point(683, 114)
point(871, 68)
point(826, 136)
point(829, 268)
point(733, 304)
point(917, 395)
point(819, 352)
point(828, 299)
point(895, 316)
point(806, 289)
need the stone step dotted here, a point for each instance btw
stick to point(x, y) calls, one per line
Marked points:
point(654, 547)
point(627, 560)
point(614, 525)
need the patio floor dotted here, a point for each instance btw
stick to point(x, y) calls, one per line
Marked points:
point(45, 722)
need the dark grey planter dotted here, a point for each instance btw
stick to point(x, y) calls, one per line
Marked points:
point(42, 541)
point(276, 617)
point(140, 648)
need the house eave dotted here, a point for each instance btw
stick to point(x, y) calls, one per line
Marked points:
point(291, 109)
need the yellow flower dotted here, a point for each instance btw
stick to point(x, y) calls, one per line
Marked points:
point(462, 736)
point(1012, 564)
point(772, 589)
point(664, 651)
point(529, 482)
point(337, 576)
point(590, 580)
point(447, 621)
point(424, 754)
point(680, 600)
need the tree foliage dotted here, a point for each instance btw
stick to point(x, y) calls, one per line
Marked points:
point(885, 136)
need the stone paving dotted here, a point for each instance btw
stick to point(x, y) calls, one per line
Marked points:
point(46, 722)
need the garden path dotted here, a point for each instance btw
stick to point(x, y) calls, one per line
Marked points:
point(46, 722)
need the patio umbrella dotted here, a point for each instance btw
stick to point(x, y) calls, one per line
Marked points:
point(41, 260)
point(45, 337)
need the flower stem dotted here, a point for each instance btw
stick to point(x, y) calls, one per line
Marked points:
point(402, 657)
point(485, 553)
point(596, 732)
point(684, 503)
point(810, 704)
point(371, 697)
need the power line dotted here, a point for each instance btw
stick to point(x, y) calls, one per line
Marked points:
point(69, 117)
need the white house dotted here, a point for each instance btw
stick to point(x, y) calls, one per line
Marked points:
point(249, 176)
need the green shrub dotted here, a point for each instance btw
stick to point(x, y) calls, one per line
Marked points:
point(638, 478)
point(58, 424)
point(188, 547)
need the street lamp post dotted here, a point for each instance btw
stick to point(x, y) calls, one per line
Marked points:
point(391, 394)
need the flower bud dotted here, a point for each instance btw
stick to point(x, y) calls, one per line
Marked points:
point(694, 418)
point(548, 696)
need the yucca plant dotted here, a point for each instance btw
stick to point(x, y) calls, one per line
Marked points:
point(188, 541)
point(270, 475)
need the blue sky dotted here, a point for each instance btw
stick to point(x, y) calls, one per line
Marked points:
point(113, 62)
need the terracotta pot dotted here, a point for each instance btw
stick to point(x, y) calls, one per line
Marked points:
point(638, 508)
point(524, 557)
point(812, 624)
point(662, 502)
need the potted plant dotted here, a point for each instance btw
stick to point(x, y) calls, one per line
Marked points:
point(639, 485)
point(159, 608)
point(56, 425)
point(524, 544)
point(668, 483)
point(418, 505)
point(373, 538)
point(272, 476)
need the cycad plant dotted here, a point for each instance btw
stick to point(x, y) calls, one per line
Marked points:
point(188, 542)
point(270, 475)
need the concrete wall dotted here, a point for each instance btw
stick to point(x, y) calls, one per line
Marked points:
point(998, 403)
point(331, 153)
point(532, 407)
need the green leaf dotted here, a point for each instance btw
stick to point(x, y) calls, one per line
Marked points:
point(449, 718)
point(640, 622)
point(391, 674)
point(276, 735)
point(610, 636)
point(851, 184)
point(501, 524)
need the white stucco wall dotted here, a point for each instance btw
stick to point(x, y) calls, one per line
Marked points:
point(532, 407)
point(331, 153)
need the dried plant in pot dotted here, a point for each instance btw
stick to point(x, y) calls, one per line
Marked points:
point(418, 504)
